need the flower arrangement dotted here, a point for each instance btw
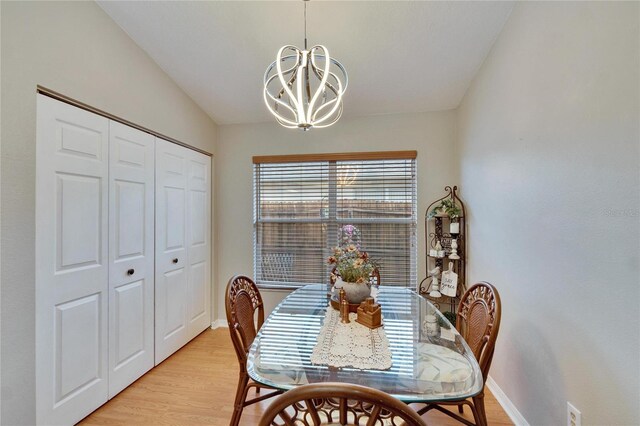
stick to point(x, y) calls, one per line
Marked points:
point(352, 265)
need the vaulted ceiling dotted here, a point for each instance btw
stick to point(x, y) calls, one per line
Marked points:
point(400, 56)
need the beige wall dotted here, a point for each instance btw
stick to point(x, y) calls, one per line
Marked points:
point(431, 134)
point(78, 50)
point(548, 151)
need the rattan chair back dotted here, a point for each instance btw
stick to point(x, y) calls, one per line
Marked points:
point(375, 277)
point(338, 403)
point(478, 321)
point(242, 300)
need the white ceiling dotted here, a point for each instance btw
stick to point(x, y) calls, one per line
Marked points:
point(400, 56)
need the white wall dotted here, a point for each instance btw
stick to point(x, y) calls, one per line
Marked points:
point(76, 49)
point(431, 134)
point(548, 149)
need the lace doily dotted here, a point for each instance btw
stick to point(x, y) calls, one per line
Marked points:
point(351, 345)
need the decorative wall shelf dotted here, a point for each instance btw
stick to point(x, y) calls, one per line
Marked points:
point(438, 228)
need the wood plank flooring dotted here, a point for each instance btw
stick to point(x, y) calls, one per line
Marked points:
point(197, 385)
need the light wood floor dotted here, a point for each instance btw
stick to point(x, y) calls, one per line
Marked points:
point(197, 385)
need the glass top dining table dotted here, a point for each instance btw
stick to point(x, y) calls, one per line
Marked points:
point(429, 363)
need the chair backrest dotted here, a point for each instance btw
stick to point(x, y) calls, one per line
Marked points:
point(333, 275)
point(242, 300)
point(374, 279)
point(478, 321)
point(338, 403)
point(277, 266)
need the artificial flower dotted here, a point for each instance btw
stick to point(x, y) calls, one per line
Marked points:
point(351, 264)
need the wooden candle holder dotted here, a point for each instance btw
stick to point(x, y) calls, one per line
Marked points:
point(370, 313)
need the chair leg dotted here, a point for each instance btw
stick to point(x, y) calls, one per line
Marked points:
point(478, 402)
point(461, 409)
point(241, 394)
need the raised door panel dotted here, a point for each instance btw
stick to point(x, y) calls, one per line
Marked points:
point(78, 221)
point(171, 253)
point(198, 293)
point(199, 242)
point(78, 350)
point(131, 257)
point(174, 226)
point(129, 309)
point(130, 219)
point(71, 262)
point(173, 287)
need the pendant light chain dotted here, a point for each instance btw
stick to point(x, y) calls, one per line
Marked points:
point(305, 24)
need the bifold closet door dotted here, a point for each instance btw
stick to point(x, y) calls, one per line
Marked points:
point(171, 252)
point(199, 242)
point(72, 161)
point(183, 246)
point(131, 255)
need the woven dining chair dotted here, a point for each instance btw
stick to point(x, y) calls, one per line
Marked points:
point(338, 404)
point(242, 300)
point(478, 322)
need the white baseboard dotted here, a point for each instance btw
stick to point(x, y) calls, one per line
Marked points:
point(219, 323)
point(506, 403)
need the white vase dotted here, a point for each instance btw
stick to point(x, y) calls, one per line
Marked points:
point(355, 293)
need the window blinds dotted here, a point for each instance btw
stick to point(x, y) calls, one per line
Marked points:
point(301, 206)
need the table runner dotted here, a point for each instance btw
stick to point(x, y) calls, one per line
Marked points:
point(351, 345)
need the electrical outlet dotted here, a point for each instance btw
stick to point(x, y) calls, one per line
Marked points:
point(574, 416)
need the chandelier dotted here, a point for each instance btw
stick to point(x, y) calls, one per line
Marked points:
point(301, 88)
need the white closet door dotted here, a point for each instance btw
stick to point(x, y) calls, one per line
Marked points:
point(71, 262)
point(171, 253)
point(199, 242)
point(131, 254)
point(183, 246)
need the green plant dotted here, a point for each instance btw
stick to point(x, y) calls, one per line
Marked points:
point(451, 316)
point(449, 207)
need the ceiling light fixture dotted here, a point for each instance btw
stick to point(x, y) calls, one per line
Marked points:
point(300, 88)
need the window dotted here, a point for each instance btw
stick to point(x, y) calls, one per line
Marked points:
point(302, 203)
